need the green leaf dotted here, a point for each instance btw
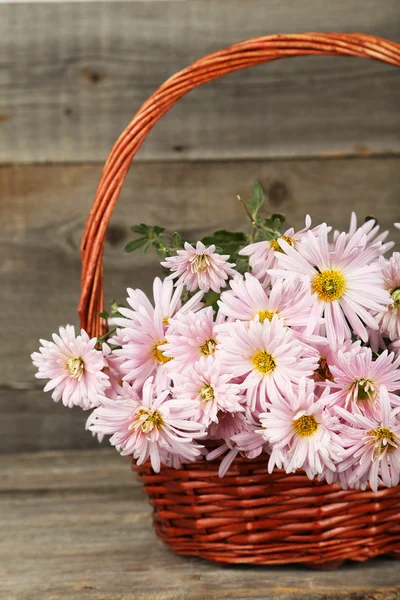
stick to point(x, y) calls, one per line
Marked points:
point(104, 314)
point(256, 201)
point(269, 228)
point(276, 224)
point(242, 264)
point(142, 228)
point(223, 237)
point(231, 249)
point(176, 240)
point(158, 229)
point(280, 216)
point(210, 298)
point(147, 245)
point(136, 244)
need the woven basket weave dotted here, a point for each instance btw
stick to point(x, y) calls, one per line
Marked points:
point(248, 516)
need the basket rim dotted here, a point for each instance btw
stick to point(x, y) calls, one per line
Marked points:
point(241, 55)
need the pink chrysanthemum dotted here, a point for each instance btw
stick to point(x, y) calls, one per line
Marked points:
point(346, 281)
point(262, 254)
point(192, 336)
point(167, 303)
point(341, 478)
point(266, 354)
point(359, 379)
point(74, 368)
point(141, 355)
point(376, 341)
point(372, 445)
point(151, 425)
point(209, 389)
point(200, 268)
point(395, 348)
point(328, 357)
point(248, 300)
point(113, 370)
point(249, 441)
point(229, 425)
point(371, 230)
point(303, 430)
point(389, 321)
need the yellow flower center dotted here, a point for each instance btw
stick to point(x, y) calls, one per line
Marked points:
point(159, 355)
point(385, 440)
point(75, 367)
point(329, 285)
point(363, 389)
point(275, 245)
point(165, 321)
point(264, 362)
point(395, 294)
point(146, 420)
point(265, 314)
point(208, 347)
point(207, 393)
point(306, 425)
point(200, 262)
point(323, 372)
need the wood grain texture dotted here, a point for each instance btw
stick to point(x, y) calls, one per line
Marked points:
point(43, 210)
point(73, 74)
point(31, 421)
point(75, 525)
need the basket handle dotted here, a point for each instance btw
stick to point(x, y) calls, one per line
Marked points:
point(239, 56)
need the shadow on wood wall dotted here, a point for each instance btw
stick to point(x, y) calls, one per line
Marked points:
point(320, 134)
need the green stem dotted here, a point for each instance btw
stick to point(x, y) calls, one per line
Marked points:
point(250, 216)
point(103, 338)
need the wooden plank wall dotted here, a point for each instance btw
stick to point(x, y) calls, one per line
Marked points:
point(320, 134)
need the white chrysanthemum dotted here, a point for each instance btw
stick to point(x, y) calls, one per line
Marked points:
point(371, 230)
point(303, 430)
point(358, 377)
point(167, 304)
point(151, 425)
point(372, 445)
point(190, 337)
point(200, 268)
point(346, 281)
point(248, 300)
point(263, 254)
point(143, 332)
point(209, 389)
point(266, 355)
point(389, 321)
point(74, 368)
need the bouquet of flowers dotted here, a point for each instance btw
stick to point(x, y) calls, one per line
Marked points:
point(281, 344)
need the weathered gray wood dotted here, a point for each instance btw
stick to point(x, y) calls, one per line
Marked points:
point(73, 74)
point(43, 210)
point(30, 421)
point(75, 525)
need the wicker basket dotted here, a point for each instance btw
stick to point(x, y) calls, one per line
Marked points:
point(248, 516)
